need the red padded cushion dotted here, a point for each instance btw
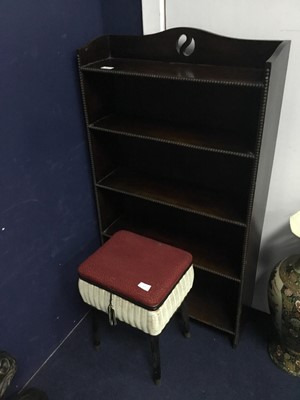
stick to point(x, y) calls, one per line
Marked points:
point(127, 259)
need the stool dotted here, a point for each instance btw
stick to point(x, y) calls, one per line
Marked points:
point(139, 281)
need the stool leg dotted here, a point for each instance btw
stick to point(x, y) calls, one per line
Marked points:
point(155, 353)
point(96, 330)
point(185, 320)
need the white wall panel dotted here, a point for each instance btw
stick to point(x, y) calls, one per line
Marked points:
point(153, 16)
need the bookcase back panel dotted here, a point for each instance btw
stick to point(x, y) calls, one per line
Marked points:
point(216, 299)
point(183, 167)
point(99, 90)
point(210, 108)
point(202, 107)
point(215, 245)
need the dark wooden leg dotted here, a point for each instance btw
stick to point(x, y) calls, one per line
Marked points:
point(155, 353)
point(96, 330)
point(185, 320)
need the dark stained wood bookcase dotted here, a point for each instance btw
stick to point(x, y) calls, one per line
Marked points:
point(182, 128)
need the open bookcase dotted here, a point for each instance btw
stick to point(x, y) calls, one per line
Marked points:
point(182, 128)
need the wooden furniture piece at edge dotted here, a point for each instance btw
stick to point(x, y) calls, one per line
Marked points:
point(182, 128)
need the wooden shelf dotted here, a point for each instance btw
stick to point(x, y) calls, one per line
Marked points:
point(177, 134)
point(211, 257)
point(225, 75)
point(174, 194)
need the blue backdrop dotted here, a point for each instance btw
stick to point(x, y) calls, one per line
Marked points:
point(47, 216)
